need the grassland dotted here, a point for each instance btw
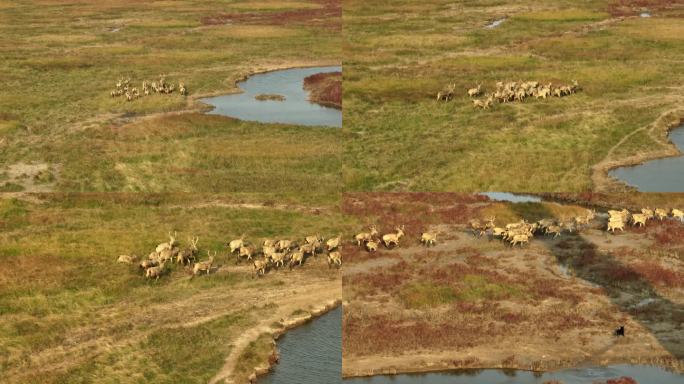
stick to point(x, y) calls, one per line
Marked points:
point(60, 60)
point(399, 54)
point(472, 302)
point(70, 313)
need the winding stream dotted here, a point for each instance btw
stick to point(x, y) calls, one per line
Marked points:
point(642, 374)
point(311, 353)
point(661, 175)
point(295, 109)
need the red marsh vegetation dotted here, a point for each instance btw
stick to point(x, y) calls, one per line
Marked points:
point(327, 15)
point(325, 88)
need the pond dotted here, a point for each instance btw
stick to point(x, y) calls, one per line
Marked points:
point(295, 108)
point(311, 353)
point(661, 175)
point(589, 375)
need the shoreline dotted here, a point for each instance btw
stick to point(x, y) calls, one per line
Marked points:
point(288, 324)
point(659, 130)
point(260, 70)
point(668, 363)
point(194, 103)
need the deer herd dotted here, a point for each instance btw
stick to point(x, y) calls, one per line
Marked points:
point(618, 219)
point(520, 233)
point(124, 87)
point(510, 92)
point(276, 253)
point(272, 254)
point(370, 240)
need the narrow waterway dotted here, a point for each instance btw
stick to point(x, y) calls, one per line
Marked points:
point(661, 175)
point(311, 353)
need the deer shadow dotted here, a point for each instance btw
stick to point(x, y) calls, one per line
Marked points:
point(582, 265)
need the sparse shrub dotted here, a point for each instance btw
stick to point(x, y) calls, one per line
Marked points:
point(622, 380)
point(670, 233)
point(659, 275)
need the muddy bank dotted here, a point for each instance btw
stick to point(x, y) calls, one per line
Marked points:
point(612, 374)
point(658, 131)
point(325, 89)
point(286, 325)
point(354, 369)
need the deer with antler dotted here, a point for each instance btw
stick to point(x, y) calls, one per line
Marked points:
point(472, 92)
point(204, 266)
point(189, 254)
point(167, 245)
point(236, 244)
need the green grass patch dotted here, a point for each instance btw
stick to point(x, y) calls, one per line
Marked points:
point(426, 295)
point(412, 142)
point(256, 353)
point(476, 288)
point(562, 15)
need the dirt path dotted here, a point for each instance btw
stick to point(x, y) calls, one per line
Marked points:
point(658, 131)
point(279, 207)
point(302, 289)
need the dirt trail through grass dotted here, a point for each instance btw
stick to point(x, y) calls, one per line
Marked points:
point(657, 131)
point(300, 290)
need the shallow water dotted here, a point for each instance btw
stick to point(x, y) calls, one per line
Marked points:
point(311, 353)
point(645, 14)
point(511, 197)
point(642, 374)
point(662, 175)
point(495, 23)
point(295, 109)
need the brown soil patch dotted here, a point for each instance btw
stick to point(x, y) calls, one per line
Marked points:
point(39, 177)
